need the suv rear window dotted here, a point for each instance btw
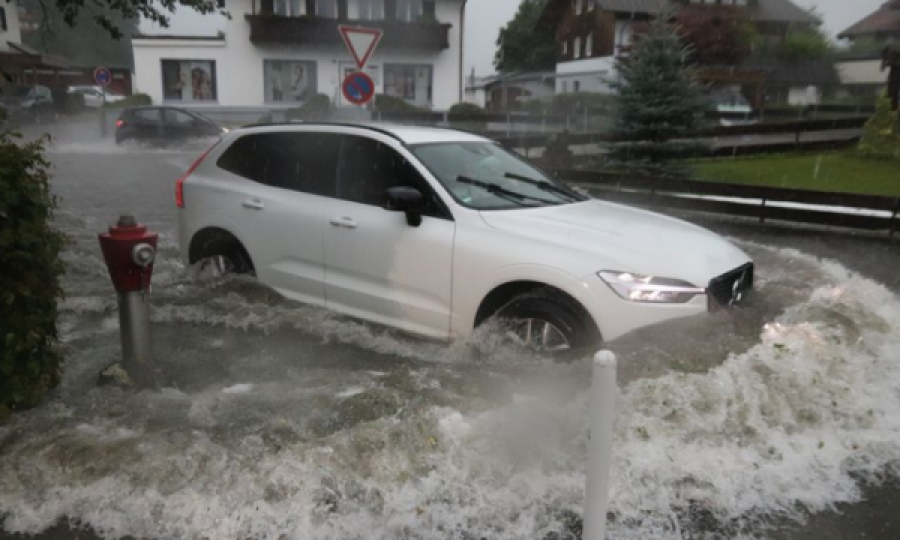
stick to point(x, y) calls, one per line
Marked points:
point(304, 162)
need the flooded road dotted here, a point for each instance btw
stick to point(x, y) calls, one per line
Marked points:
point(278, 420)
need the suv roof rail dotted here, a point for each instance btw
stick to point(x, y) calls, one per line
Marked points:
point(371, 127)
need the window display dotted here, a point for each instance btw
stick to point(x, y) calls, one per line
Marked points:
point(289, 80)
point(189, 80)
point(412, 83)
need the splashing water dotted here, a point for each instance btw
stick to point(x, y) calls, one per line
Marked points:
point(284, 421)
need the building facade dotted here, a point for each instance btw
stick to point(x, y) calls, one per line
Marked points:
point(279, 53)
point(590, 34)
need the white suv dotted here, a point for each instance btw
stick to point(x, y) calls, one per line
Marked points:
point(434, 231)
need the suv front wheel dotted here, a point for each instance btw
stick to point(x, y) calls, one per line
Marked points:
point(545, 323)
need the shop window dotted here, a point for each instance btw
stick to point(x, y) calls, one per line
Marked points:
point(371, 10)
point(289, 81)
point(189, 80)
point(412, 83)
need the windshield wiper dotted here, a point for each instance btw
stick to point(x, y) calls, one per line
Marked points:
point(546, 186)
point(502, 192)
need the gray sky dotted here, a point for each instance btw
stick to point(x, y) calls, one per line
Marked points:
point(484, 18)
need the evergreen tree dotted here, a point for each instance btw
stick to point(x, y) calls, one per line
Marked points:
point(659, 101)
point(880, 137)
point(522, 46)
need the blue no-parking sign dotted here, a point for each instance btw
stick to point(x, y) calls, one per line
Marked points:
point(103, 76)
point(358, 88)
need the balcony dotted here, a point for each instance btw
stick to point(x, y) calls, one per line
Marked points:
point(268, 29)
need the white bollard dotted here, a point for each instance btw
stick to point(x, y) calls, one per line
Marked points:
point(600, 417)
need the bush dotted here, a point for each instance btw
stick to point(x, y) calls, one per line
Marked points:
point(137, 100)
point(315, 108)
point(391, 104)
point(467, 116)
point(30, 267)
point(881, 138)
point(804, 45)
point(466, 109)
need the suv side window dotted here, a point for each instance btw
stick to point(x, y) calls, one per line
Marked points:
point(147, 116)
point(299, 161)
point(367, 168)
point(178, 117)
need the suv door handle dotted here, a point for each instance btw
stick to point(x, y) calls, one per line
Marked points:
point(253, 204)
point(344, 223)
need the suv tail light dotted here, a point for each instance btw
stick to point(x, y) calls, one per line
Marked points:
point(120, 123)
point(179, 184)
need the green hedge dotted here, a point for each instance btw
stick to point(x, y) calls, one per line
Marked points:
point(137, 100)
point(30, 267)
point(881, 136)
point(315, 108)
point(391, 104)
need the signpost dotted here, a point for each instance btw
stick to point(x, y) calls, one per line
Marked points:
point(103, 76)
point(358, 88)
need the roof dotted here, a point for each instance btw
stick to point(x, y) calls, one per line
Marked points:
point(403, 133)
point(634, 6)
point(885, 19)
point(177, 37)
point(784, 11)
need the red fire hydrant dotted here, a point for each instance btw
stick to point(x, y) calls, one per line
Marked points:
point(130, 250)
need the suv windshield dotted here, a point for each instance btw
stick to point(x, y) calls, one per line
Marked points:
point(484, 176)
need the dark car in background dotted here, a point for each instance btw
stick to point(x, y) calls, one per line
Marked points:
point(162, 125)
point(23, 103)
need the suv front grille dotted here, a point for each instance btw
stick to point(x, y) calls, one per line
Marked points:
point(730, 289)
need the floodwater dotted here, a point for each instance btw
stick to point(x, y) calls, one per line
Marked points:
point(279, 420)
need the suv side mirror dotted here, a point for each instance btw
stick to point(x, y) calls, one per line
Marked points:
point(406, 199)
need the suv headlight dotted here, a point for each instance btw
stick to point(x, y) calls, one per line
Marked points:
point(650, 289)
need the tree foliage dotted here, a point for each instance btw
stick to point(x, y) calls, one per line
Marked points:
point(866, 45)
point(107, 14)
point(521, 46)
point(806, 44)
point(83, 42)
point(30, 267)
point(715, 36)
point(881, 138)
point(659, 100)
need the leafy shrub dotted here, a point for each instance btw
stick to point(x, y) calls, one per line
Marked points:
point(467, 116)
point(137, 100)
point(391, 104)
point(467, 109)
point(881, 138)
point(30, 267)
point(315, 108)
point(804, 45)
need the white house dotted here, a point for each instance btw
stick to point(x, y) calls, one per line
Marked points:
point(9, 27)
point(277, 53)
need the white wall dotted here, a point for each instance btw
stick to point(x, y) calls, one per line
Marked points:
point(12, 32)
point(804, 95)
point(239, 63)
point(590, 73)
point(862, 72)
